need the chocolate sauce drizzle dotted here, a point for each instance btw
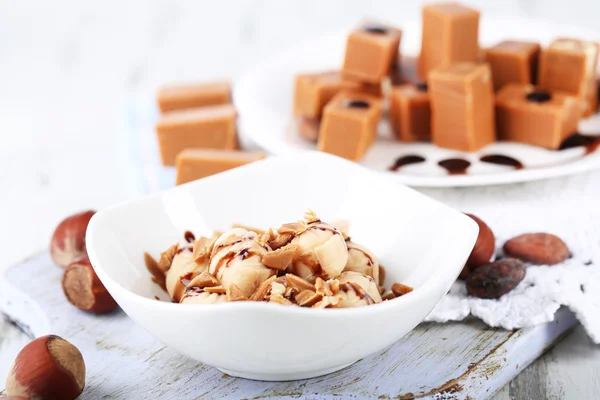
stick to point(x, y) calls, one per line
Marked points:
point(189, 237)
point(590, 143)
point(455, 166)
point(406, 160)
point(459, 166)
point(500, 159)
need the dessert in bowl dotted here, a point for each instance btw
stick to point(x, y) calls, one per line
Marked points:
point(421, 243)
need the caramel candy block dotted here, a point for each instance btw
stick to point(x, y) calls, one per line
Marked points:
point(192, 95)
point(410, 112)
point(407, 72)
point(536, 117)
point(349, 125)
point(569, 65)
point(450, 35)
point(195, 164)
point(371, 52)
point(207, 127)
point(462, 106)
point(513, 62)
point(308, 128)
point(313, 91)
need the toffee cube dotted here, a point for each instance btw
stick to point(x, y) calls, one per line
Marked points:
point(211, 127)
point(410, 112)
point(349, 125)
point(371, 52)
point(569, 65)
point(312, 91)
point(536, 117)
point(450, 35)
point(195, 164)
point(462, 106)
point(192, 95)
point(513, 61)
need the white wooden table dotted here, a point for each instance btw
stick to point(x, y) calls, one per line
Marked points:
point(67, 70)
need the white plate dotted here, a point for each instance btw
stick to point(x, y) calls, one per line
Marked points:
point(264, 100)
point(421, 242)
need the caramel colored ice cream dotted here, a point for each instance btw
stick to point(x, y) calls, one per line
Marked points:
point(360, 259)
point(237, 259)
point(357, 290)
point(183, 264)
point(322, 252)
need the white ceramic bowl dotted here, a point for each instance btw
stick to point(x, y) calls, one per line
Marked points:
point(420, 242)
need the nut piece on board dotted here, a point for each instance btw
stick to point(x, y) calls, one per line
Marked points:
point(537, 248)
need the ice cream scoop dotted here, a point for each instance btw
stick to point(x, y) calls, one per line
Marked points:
point(361, 259)
point(237, 259)
point(357, 289)
point(182, 265)
point(322, 252)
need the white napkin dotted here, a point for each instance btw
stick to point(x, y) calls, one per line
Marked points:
point(574, 283)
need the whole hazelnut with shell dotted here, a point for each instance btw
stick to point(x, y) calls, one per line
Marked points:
point(484, 248)
point(48, 368)
point(68, 239)
point(83, 288)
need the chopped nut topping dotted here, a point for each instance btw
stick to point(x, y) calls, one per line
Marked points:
point(204, 279)
point(166, 257)
point(295, 228)
point(215, 289)
point(328, 302)
point(388, 296)
point(311, 217)
point(234, 293)
point(381, 289)
point(399, 289)
point(381, 275)
point(261, 293)
point(280, 300)
point(263, 239)
point(289, 292)
point(280, 240)
point(334, 285)
point(280, 259)
point(323, 288)
point(308, 298)
point(233, 239)
point(298, 283)
point(277, 289)
point(202, 249)
point(249, 228)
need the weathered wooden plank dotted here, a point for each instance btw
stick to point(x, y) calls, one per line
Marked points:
point(459, 360)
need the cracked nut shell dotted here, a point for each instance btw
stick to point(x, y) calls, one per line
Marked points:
point(84, 290)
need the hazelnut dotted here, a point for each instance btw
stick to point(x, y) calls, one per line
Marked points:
point(84, 289)
point(483, 250)
point(48, 368)
point(68, 240)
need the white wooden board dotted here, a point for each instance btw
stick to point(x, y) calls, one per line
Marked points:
point(455, 361)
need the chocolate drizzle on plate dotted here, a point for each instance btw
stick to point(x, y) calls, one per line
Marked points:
point(590, 143)
point(500, 159)
point(455, 166)
point(406, 160)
